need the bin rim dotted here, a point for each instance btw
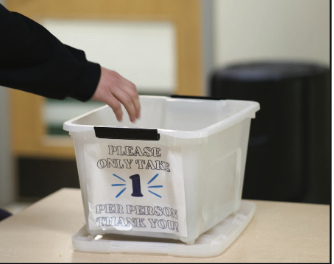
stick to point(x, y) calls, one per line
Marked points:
point(248, 112)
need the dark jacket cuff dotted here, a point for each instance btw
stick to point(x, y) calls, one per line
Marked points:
point(88, 82)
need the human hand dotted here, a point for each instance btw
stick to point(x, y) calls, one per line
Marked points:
point(113, 90)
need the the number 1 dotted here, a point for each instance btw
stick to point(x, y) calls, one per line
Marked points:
point(136, 191)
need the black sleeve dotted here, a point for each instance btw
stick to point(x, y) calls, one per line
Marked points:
point(33, 60)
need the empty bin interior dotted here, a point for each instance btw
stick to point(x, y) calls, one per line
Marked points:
point(168, 113)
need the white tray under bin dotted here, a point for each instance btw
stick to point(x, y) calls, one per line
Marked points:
point(211, 243)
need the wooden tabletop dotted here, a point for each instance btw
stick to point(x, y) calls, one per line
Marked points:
point(279, 232)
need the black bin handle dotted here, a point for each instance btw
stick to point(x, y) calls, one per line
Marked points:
point(195, 97)
point(127, 133)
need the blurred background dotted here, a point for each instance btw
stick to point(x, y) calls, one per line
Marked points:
point(222, 48)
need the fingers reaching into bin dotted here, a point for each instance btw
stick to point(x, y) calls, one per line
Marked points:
point(114, 90)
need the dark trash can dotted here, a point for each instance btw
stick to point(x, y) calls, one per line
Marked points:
point(289, 151)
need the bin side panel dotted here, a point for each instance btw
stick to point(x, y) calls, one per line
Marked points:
point(222, 162)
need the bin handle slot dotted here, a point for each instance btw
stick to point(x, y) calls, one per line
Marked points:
point(127, 133)
point(196, 97)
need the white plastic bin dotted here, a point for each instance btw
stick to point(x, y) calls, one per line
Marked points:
point(175, 173)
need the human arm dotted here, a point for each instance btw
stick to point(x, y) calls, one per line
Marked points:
point(35, 61)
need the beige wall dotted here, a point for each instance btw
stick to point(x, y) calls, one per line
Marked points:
point(270, 29)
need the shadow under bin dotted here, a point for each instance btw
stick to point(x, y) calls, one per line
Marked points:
point(289, 150)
